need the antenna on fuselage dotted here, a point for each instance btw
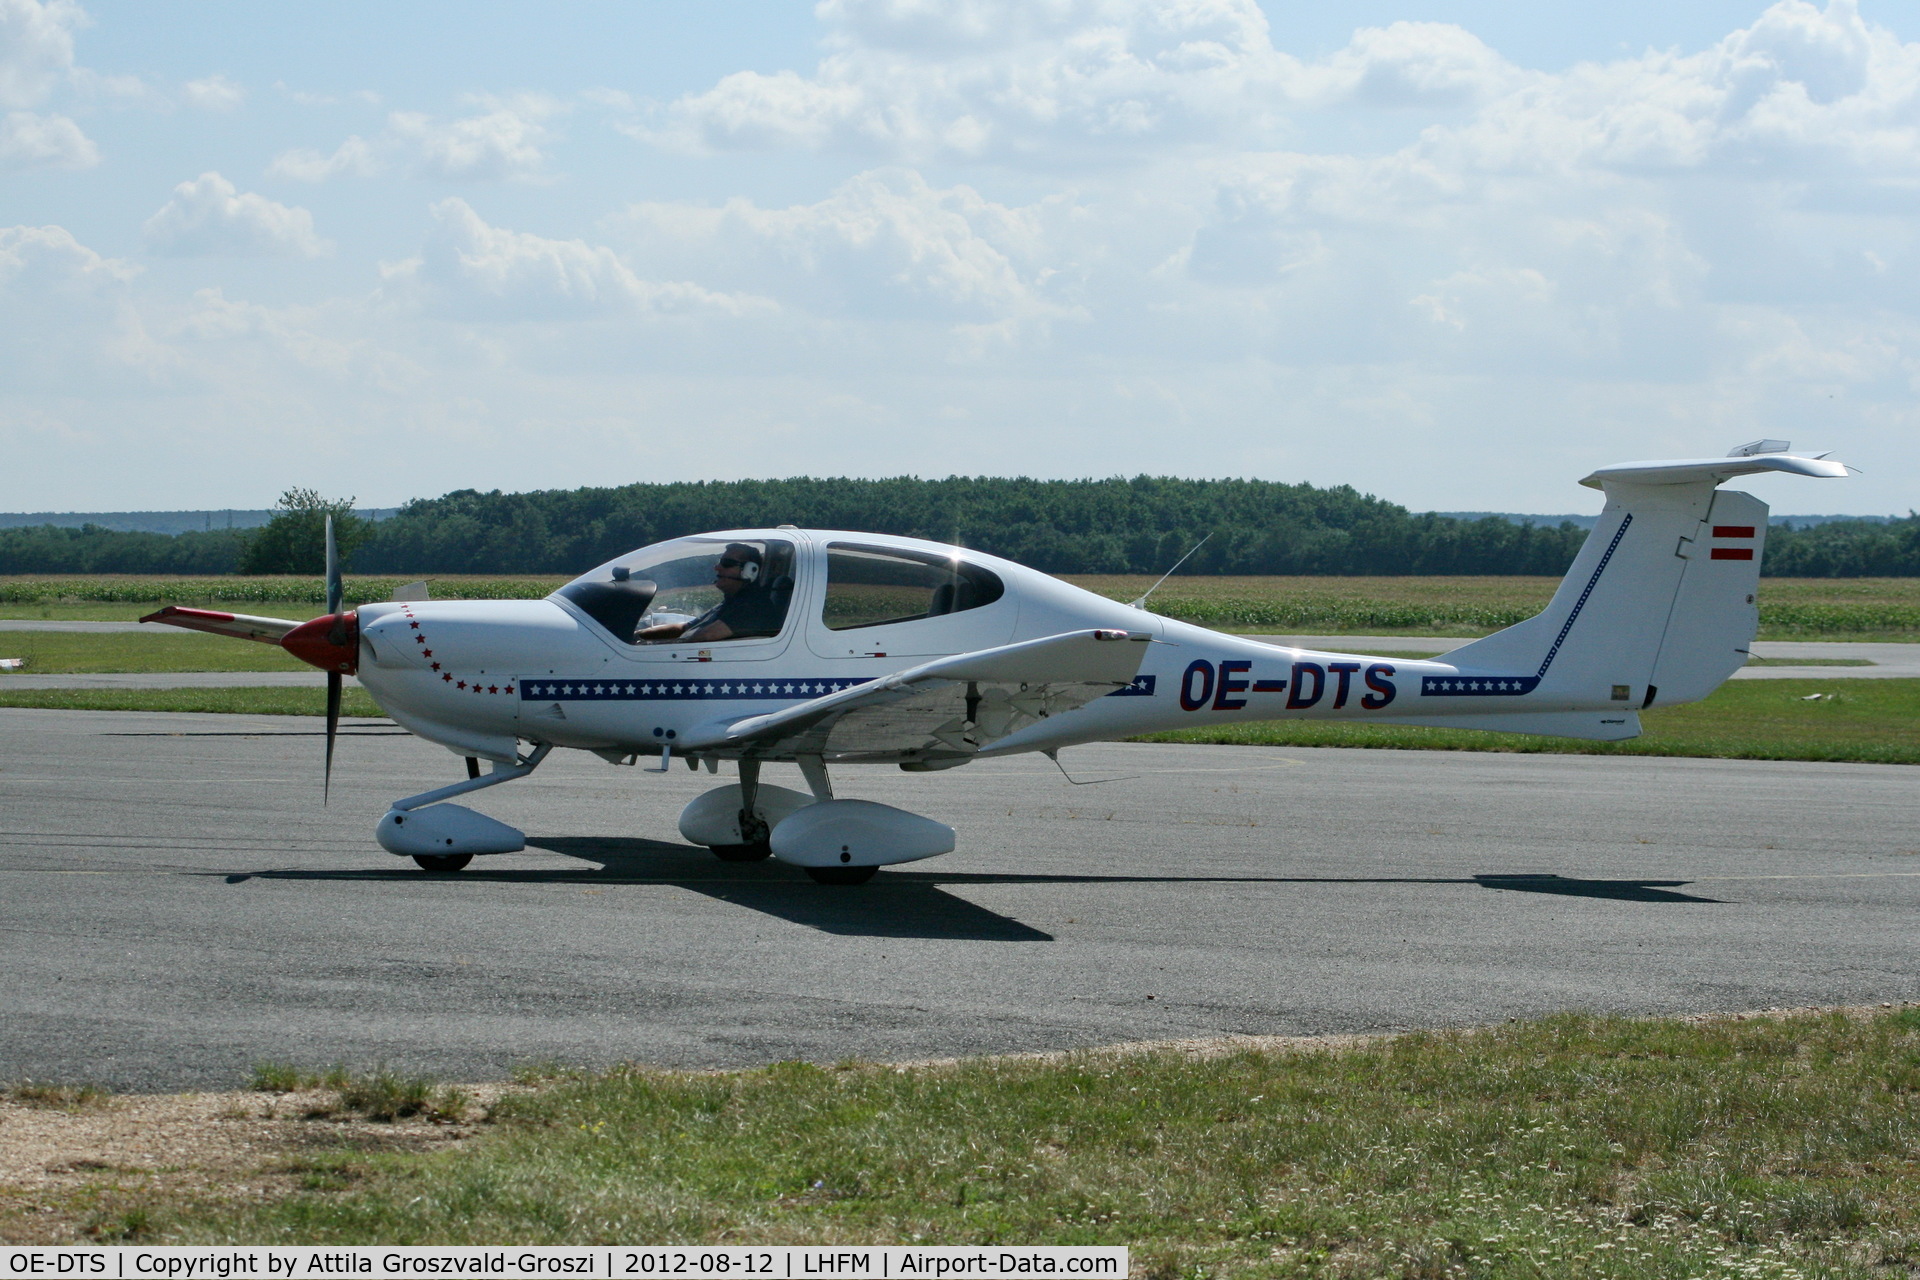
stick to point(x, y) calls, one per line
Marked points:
point(1083, 782)
point(1141, 603)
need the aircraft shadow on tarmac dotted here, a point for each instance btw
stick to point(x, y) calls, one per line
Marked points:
point(907, 904)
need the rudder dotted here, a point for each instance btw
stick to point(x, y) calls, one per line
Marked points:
point(1710, 630)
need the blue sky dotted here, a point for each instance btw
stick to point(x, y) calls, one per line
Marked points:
point(1453, 253)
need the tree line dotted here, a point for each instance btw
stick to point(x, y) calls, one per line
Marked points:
point(1137, 526)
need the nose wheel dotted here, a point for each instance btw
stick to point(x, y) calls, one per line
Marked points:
point(443, 863)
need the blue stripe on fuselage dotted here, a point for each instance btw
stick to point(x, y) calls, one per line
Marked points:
point(601, 689)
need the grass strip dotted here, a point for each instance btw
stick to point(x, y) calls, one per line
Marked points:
point(230, 593)
point(238, 701)
point(1571, 1146)
point(166, 649)
point(1790, 608)
point(1859, 721)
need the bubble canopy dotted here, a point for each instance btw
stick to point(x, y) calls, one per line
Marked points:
point(679, 582)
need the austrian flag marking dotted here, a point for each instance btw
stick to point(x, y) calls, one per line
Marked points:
point(1735, 533)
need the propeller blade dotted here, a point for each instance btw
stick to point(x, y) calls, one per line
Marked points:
point(334, 681)
point(335, 590)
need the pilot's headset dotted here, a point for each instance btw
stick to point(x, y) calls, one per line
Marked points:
point(749, 558)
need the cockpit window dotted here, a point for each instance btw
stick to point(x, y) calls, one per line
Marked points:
point(690, 591)
point(868, 586)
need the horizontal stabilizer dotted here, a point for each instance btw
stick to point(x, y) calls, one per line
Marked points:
point(239, 625)
point(1717, 470)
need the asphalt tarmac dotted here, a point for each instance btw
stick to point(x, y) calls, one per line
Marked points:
point(176, 904)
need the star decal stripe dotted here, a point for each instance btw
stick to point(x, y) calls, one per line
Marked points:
point(1477, 686)
point(785, 689)
point(1472, 686)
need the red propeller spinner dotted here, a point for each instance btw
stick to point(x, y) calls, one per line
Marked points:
point(330, 642)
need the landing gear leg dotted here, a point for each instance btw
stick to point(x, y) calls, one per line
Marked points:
point(753, 829)
point(814, 770)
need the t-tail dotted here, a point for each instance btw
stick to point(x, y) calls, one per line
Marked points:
point(1658, 607)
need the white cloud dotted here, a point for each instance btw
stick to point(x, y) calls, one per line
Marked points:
point(30, 141)
point(36, 54)
point(353, 158)
point(47, 260)
point(209, 216)
point(36, 48)
point(67, 319)
point(885, 245)
point(1060, 82)
point(1128, 235)
point(1003, 80)
point(474, 270)
point(500, 144)
point(307, 98)
point(215, 93)
point(1057, 81)
point(1410, 64)
point(506, 143)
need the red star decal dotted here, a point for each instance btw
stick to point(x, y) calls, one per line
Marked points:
point(509, 688)
point(476, 688)
point(436, 666)
point(419, 639)
point(414, 625)
point(460, 685)
point(447, 676)
point(493, 688)
point(428, 653)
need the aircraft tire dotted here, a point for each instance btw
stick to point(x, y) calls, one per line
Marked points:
point(842, 875)
point(442, 862)
point(742, 852)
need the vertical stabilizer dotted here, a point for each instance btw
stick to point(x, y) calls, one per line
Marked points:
point(1599, 638)
point(1658, 607)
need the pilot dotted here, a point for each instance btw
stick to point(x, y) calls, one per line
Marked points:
point(747, 607)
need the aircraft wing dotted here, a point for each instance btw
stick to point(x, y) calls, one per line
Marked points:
point(947, 709)
point(240, 625)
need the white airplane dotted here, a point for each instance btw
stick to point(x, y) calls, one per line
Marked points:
point(823, 648)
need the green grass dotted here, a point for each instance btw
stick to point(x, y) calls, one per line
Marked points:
point(124, 597)
point(56, 1097)
point(238, 701)
point(380, 1094)
point(1570, 1147)
point(51, 652)
point(1863, 721)
point(1790, 608)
